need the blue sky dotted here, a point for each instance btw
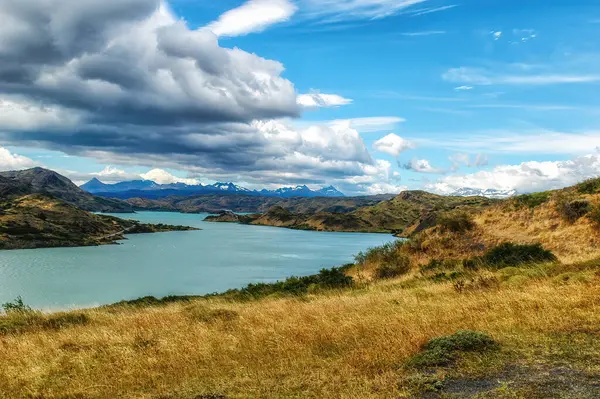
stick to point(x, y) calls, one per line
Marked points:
point(432, 94)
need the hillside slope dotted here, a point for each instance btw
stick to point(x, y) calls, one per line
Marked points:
point(44, 181)
point(566, 221)
point(405, 214)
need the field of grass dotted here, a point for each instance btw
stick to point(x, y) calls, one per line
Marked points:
point(540, 327)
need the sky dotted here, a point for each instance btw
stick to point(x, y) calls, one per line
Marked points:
point(371, 96)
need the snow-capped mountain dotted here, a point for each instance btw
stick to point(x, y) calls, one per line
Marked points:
point(489, 193)
point(150, 189)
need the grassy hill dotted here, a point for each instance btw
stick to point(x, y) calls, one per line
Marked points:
point(405, 214)
point(215, 203)
point(39, 220)
point(44, 181)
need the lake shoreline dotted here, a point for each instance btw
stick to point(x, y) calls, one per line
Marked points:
point(220, 258)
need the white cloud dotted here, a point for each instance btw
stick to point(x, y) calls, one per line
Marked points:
point(433, 9)
point(425, 33)
point(161, 176)
point(530, 142)
point(392, 144)
point(322, 100)
point(463, 88)
point(482, 77)
point(253, 16)
point(497, 35)
point(385, 188)
point(461, 159)
point(19, 114)
point(370, 124)
point(422, 166)
point(525, 177)
point(341, 10)
point(10, 161)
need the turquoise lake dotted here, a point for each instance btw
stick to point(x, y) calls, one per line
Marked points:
point(218, 257)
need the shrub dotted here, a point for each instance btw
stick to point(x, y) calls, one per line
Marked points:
point(594, 214)
point(16, 306)
point(575, 209)
point(590, 186)
point(456, 222)
point(204, 315)
point(532, 200)
point(445, 350)
point(509, 254)
point(388, 258)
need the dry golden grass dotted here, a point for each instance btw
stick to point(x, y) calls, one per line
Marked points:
point(347, 344)
point(504, 222)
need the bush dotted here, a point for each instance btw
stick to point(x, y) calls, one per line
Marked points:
point(575, 209)
point(509, 254)
point(590, 186)
point(456, 222)
point(443, 351)
point(594, 214)
point(532, 200)
point(16, 306)
point(388, 258)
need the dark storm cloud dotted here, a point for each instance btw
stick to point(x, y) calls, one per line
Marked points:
point(126, 81)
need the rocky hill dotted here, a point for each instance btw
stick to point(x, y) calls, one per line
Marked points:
point(44, 181)
point(40, 221)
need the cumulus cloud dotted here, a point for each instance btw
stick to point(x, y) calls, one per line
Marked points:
point(321, 100)
point(385, 188)
point(393, 144)
point(135, 62)
point(525, 177)
point(10, 161)
point(161, 176)
point(128, 83)
point(422, 166)
point(253, 16)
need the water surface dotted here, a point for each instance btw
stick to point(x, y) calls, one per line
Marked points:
point(219, 257)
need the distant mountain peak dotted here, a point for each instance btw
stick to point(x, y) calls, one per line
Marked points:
point(150, 189)
point(488, 193)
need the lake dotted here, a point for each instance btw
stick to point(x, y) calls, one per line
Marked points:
point(218, 257)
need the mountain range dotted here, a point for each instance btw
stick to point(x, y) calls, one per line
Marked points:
point(152, 190)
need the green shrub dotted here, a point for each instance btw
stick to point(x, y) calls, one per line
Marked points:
point(456, 222)
point(391, 261)
point(590, 186)
point(594, 214)
point(509, 254)
point(532, 200)
point(16, 306)
point(575, 209)
point(443, 351)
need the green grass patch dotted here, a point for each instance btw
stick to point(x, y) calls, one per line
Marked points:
point(533, 200)
point(444, 351)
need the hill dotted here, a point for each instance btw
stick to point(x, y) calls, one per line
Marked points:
point(44, 181)
point(405, 214)
point(39, 220)
point(215, 203)
point(564, 221)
